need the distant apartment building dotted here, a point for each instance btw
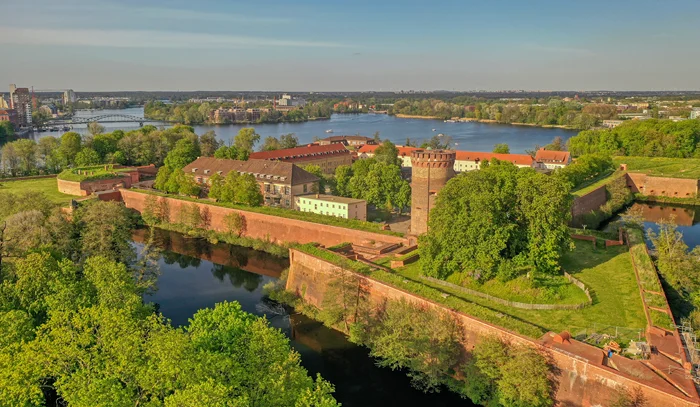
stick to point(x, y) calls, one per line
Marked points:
point(21, 101)
point(350, 141)
point(9, 115)
point(552, 159)
point(695, 113)
point(634, 116)
point(348, 208)
point(328, 157)
point(254, 114)
point(69, 97)
point(279, 182)
point(3, 102)
point(290, 101)
point(611, 124)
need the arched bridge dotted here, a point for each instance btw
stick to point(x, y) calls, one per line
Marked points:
point(106, 118)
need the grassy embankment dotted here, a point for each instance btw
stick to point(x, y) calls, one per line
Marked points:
point(287, 213)
point(45, 185)
point(662, 167)
point(608, 273)
point(92, 173)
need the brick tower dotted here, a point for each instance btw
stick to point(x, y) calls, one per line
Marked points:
point(431, 171)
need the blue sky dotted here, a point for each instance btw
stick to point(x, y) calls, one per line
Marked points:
point(350, 45)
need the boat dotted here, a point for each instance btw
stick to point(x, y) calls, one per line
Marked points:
point(433, 129)
point(450, 121)
point(329, 131)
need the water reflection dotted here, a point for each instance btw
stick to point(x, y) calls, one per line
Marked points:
point(686, 217)
point(196, 275)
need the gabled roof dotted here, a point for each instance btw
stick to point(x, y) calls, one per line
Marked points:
point(301, 153)
point(517, 159)
point(550, 156)
point(263, 170)
point(403, 151)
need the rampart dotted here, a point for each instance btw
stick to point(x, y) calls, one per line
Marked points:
point(583, 378)
point(591, 201)
point(268, 227)
point(662, 186)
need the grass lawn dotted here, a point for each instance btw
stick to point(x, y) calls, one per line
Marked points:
point(594, 184)
point(662, 167)
point(609, 275)
point(45, 185)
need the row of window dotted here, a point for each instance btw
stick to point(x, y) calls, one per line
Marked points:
point(343, 215)
point(327, 205)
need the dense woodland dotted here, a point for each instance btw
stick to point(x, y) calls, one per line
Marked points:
point(198, 113)
point(645, 138)
point(76, 331)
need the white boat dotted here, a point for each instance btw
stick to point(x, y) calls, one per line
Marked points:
point(433, 129)
point(329, 131)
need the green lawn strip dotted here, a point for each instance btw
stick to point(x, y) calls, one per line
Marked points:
point(595, 183)
point(96, 173)
point(45, 185)
point(661, 319)
point(661, 166)
point(287, 213)
point(549, 289)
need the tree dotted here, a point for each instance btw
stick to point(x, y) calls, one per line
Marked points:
point(343, 175)
point(6, 131)
point(208, 143)
point(387, 153)
point(47, 151)
point(25, 231)
point(187, 185)
point(95, 128)
point(289, 140)
point(105, 230)
point(26, 152)
point(438, 142)
point(10, 159)
point(501, 148)
point(87, 157)
point(317, 171)
point(71, 144)
point(271, 143)
point(231, 153)
point(246, 139)
point(248, 191)
point(235, 223)
point(40, 117)
point(557, 144)
point(186, 150)
point(376, 138)
point(496, 218)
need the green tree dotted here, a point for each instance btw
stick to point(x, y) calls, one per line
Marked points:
point(289, 140)
point(271, 143)
point(10, 159)
point(557, 144)
point(6, 131)
point(186, 150)
point(40, 117)
point(71, 144)
point(208, 143)
point(47, 152)
point(95, 128)
point(248, 191)
point(26, 152)
point(501, 148)
point(105, 230)
point(86, 157)
point(246, 139)
point(343, 175)
point(387, 153)
point(317, 171)
point(231, 153)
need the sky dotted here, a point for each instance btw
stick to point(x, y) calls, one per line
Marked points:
point(358, 45)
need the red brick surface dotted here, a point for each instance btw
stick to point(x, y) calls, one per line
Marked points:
point(582, 380)
point(589, 202)
point(660, 186)
point(272, 228)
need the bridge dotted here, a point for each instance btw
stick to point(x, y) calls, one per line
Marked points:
point(106, 118)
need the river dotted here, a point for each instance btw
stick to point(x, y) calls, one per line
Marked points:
point(196, 274)
point(469, 136)
point(686, 217)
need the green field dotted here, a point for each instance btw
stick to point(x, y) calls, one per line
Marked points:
point(594, 184)
point(45, 185)
point(607, 272)
point(92, 173)
point(662, 167)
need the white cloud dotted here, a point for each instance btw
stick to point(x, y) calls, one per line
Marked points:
point(146, 39)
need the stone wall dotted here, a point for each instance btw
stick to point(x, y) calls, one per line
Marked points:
point(661, 186)
point(589, 202)
point(582, 380)
point(85, 188)
point(261, 226)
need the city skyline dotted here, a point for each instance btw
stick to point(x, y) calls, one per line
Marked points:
point(316, 46)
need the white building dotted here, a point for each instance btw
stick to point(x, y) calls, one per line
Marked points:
point(695, 113)
point(289, 100)
point(552, 159)
point(69, 97)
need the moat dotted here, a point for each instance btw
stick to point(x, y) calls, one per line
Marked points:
point(196, 274)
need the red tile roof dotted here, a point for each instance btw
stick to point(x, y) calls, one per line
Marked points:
point(403, 151)
point(517, 159)
point(301, 153)
point(550, 156)
point(285, 173)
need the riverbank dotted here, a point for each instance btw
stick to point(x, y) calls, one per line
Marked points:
point(489, 121)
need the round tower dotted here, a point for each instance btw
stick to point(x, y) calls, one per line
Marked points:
point(431, 169)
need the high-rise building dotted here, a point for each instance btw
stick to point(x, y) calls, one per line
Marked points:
point(3, 102)
point(69, 97)
point(21, 101)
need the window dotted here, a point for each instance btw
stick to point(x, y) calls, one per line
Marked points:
point(286, 202)
point(305, 188)
point(286, 190)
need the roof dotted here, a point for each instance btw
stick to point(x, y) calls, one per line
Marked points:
point(342, 138)
point(332, 198)
point(403, 151)
point(551, 156)
point(301, 153)
point(263, 170)
point(517, 159)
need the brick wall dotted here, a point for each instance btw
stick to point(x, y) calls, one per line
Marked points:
point(85, 188)
point(661, 186)
point(262, 226)
point(582, 379)
point(70, 187)
point(589, 202)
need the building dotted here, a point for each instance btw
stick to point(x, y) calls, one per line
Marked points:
point(470, 160)
point(254, 114)
point(328, 157)
point(351, 141)
point(553, 159)
point(431, 171)
point(69, 97)
point(3, 102)
point(280, 182)
point(611, 124)
point(348, 208)
point(464, 161)
point(21, 101)
point(290, 101)
point(695, 113)
point(9, 115)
